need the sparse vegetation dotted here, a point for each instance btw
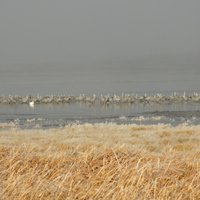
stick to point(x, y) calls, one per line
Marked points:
point(100, 161)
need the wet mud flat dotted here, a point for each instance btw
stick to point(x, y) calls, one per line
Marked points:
point(100, 161)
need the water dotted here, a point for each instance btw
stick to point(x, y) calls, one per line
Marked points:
point(98, 78)
point(47, 116)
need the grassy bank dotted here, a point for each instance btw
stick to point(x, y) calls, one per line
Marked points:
point(102, 161)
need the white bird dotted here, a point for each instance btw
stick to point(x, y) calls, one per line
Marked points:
point(31, 103)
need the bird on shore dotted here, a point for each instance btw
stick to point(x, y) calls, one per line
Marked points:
point(31, 104)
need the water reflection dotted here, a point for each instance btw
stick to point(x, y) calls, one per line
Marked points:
point(61, 114)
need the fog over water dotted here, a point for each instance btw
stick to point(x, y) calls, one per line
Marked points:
point(107, 46)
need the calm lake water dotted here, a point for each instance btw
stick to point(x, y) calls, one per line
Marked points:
point(98, 79)
point(103, 78)
point(47, 116)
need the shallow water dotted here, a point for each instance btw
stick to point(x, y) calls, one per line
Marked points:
point(98, 78)
point(46, 116)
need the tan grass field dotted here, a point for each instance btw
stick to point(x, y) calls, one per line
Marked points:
point(100, 161)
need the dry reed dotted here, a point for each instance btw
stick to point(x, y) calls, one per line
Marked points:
point(101, 161)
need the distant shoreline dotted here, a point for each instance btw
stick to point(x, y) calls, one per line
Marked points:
point(103, 99)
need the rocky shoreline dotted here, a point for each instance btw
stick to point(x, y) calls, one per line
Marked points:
point(102, 99)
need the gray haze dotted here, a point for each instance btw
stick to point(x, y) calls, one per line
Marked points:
point(74, 46)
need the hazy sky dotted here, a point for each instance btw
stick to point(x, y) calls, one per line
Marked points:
point(99, 46)
point(162, 32)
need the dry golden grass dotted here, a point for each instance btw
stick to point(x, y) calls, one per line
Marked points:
point(100, 161)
